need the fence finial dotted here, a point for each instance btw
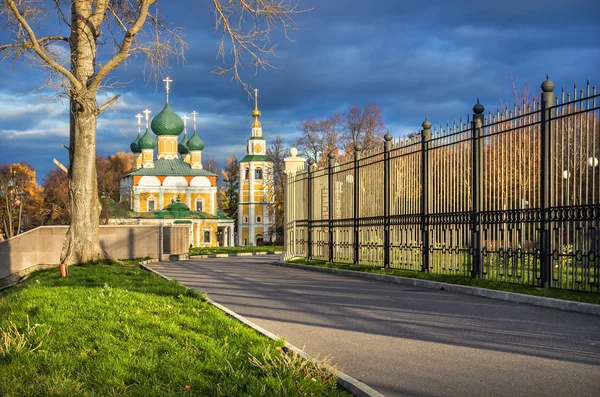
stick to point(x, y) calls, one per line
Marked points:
point(358, 147)
point(388, 137)
point(426, 124)
point(478, 108)
point(548, 85)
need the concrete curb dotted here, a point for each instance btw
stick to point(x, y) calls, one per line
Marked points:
point(238, 254)
point(587, 308)
point(354, 386)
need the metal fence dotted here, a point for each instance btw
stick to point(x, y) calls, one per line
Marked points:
point(512, 196)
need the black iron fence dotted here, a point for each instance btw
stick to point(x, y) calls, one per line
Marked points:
point(512, 196)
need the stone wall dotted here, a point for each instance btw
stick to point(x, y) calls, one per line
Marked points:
point(43, 245)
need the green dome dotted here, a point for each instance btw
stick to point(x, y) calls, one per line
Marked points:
point(182, 147)
point(135, 146)
point(167, 122)
point(147, 141)
point(195, 142)
point(177, 206)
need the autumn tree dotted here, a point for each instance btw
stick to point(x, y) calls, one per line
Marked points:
point(277, 153)
point(102, 34)
point(110, 170)
point(230, 186)
point(21, 203)
point(56, 198)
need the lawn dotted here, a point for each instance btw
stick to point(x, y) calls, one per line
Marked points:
point(114, 329)
point(234, 250)
point(587, 297)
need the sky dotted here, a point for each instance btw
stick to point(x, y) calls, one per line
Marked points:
point(412, 58)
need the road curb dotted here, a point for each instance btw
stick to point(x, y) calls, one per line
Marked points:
point(238, 254)
point(354, 386)
point(579, 307)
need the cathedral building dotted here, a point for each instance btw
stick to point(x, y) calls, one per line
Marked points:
point(256, 200)
point(171, 187)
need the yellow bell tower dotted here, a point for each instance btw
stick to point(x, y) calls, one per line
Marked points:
point(255, 209)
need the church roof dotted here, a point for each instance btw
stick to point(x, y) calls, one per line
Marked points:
point(167, 122)
point(175, 167)
point(195, 142)
point(175, 210)
point(147, 141)
point(135, 146)
point(255, 157)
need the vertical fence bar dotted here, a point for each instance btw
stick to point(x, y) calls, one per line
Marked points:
point(477, 189)
point(357, 149)
point(331, 197)
point(425, 141)
point(309, 248)
point(387, 146)
point(546, 184)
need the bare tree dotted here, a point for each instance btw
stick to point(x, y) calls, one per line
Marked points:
point(320, 137)
point(363, 126)
point(277, 153)
point(131, 27)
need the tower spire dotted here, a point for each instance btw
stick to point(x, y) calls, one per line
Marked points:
point(194, 113)
point(167, 80)
point(255, 113)
point(139, 117)
point(185, 119)
point(147, 113)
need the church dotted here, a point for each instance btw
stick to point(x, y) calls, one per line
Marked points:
point(172, 187)
point(169, 186)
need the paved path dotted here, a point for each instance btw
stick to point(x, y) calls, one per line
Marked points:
point(407, 341)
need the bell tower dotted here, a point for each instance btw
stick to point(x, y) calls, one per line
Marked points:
point(255, 210)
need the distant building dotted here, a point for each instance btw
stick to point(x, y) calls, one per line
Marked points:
point(255, 210)
point(172, 188)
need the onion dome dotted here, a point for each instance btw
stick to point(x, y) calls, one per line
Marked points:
point(177, 206)
point(167, 122)
point(195, 142)
point(147, 141)
point(135, 146)
point(182, 147)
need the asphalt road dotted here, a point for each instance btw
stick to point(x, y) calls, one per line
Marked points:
point(408, 341)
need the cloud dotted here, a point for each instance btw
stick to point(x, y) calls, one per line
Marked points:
point(411, 58)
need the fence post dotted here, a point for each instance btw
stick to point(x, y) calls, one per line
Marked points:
point(331, 196)
point(309, 247)
point(387, 146)
point(425, 139)
point(357, 149)
point(546, 184)
point(291, 165)
point(477, 189)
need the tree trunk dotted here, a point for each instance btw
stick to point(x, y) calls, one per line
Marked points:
point(82, 242)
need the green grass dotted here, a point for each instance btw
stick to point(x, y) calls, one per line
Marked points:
point(234, 250)
point(113, 329)
point(577, 296)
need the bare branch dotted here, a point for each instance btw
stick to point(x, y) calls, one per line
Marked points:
point(246, 26)
point(30, 45)
point(107, 104)
point(35, 45)
point(125, 45)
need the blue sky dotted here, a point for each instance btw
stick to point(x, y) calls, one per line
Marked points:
point(412, 58)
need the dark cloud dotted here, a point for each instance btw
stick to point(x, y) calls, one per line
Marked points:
point(413, 58)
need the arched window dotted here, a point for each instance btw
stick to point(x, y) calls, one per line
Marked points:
point(151, 204)
point(200, 204)
point(247, 174)
point(258, 173)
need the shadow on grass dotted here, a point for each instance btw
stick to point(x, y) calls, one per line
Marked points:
point(96, 274)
